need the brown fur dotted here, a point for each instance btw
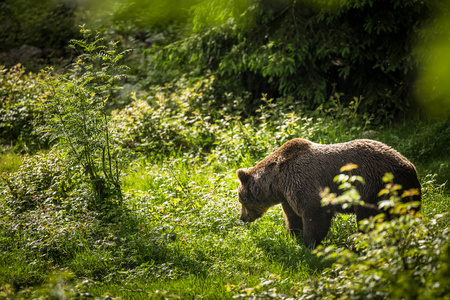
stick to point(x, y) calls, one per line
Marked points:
point(294, 175)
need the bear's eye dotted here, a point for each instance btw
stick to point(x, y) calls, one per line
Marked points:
point(242, 197)
point(245, 197)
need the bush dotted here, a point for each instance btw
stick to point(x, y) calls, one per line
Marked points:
point(77, 114)
point(47, 225)
point(39, 23)
point(42, 181)
point(44, 205)
point(302, 49)
point(406, 258)
point(20, 96)
point(403, 258)
point(169, 121)
point(189, 122)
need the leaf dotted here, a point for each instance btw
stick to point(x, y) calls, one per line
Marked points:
point(358, 178)
point(388, 177)
point(411, 193)
point(349, 167)
point(383, 192)
point(340, 178)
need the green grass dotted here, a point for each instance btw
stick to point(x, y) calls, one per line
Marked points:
point(9, 161)
point(181, 235)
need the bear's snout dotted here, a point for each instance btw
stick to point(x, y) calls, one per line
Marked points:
point(248, 215)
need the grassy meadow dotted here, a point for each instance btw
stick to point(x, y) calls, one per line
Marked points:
point(177, 234)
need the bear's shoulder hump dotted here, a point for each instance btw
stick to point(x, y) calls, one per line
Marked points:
point(295, 147)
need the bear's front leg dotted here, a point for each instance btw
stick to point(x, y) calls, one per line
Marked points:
point(294, 223)
point(315, 227)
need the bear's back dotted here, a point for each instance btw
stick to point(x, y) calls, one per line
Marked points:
point(365, 153)
point(311, 167)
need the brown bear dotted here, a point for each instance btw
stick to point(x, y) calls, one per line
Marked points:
point(296, 173)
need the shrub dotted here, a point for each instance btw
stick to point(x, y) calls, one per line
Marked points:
point(150, 130)
point(42, 180)
point(302, 49)
point(169, 121)
point(43, 206)
point(403, 258)
point(48, 224)
point(186, 122)
point(77, 113)
point(20, 95)
point(40, 23)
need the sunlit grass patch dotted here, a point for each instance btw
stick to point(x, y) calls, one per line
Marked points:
point(343, 226)
point(9, 162)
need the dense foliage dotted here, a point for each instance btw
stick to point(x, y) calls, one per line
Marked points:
point(42, 23)
point(310, 50)
point(305, 50)
point(20, 96)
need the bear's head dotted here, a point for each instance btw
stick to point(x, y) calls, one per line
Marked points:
point(252, 195)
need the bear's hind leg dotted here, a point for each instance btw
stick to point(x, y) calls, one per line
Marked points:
point(294, 223)
point(315, 227)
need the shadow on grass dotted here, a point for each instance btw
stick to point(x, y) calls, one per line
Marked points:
point(292, 254)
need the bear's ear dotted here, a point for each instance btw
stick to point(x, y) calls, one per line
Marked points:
point(243, 176)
